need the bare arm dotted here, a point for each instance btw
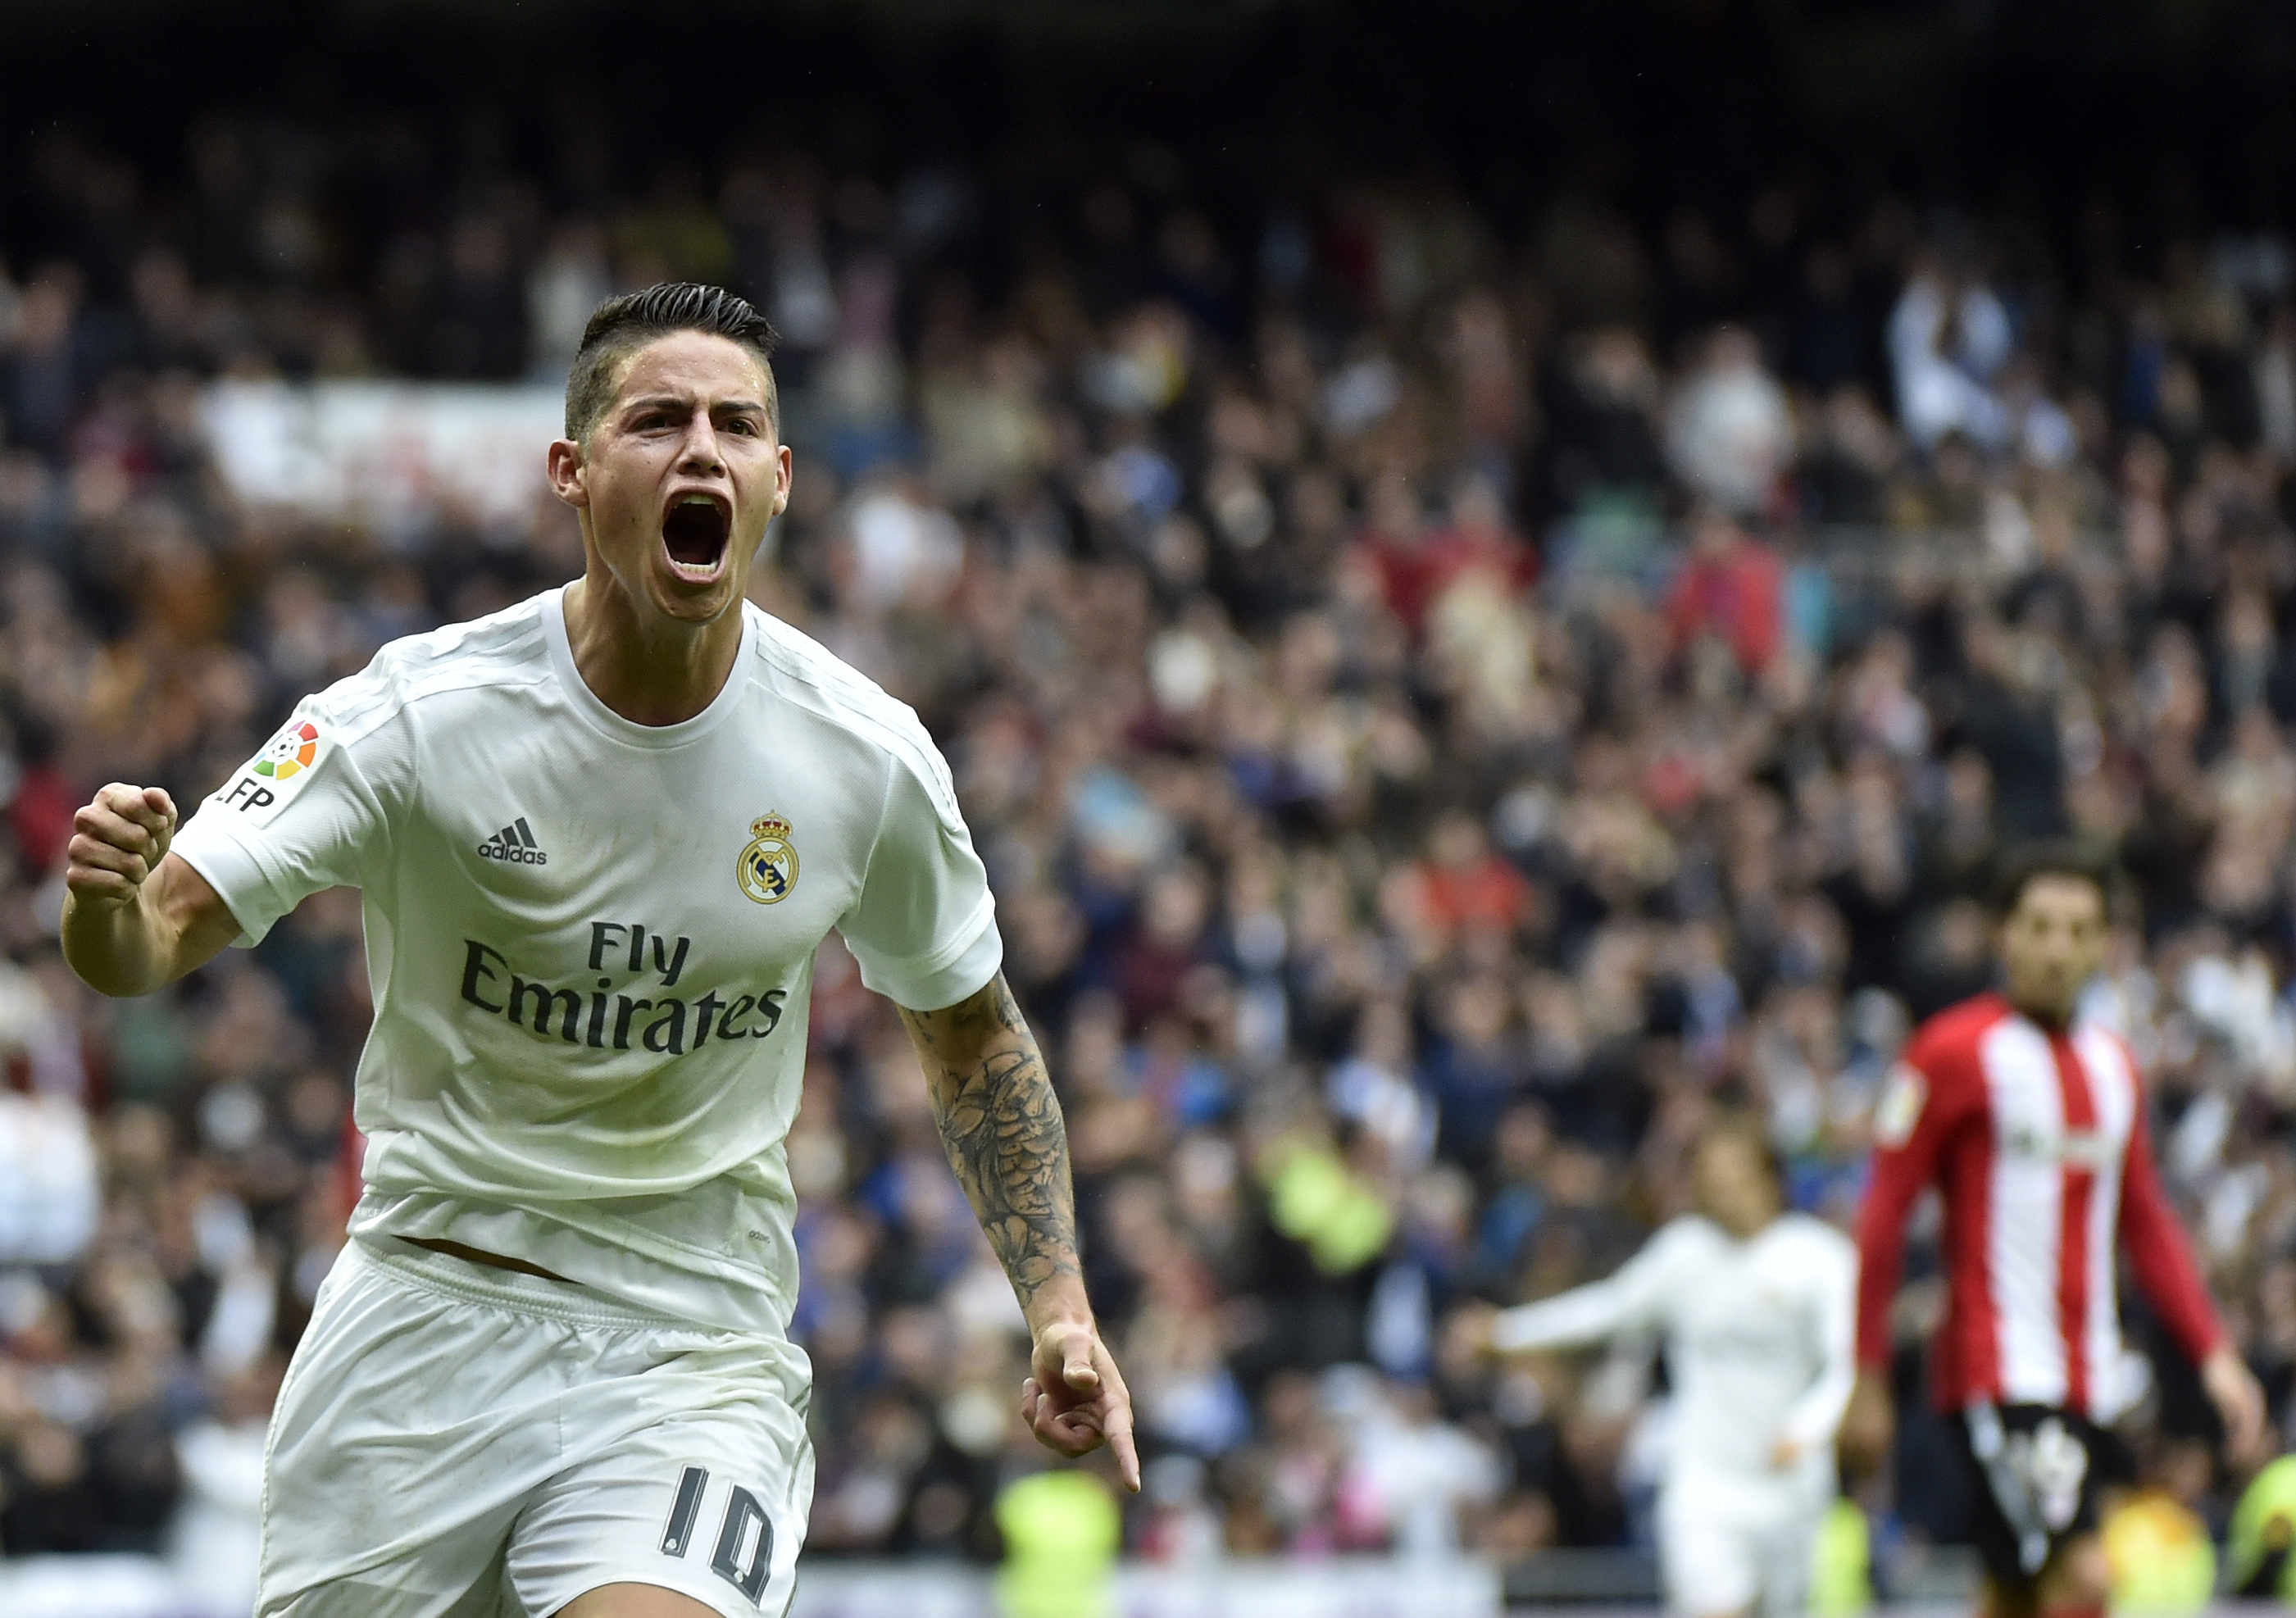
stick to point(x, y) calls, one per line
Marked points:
point(1001, 1126)
point(2170, 1277)
point(136, 916)
point(1634, 1299)
point(1816, 1417)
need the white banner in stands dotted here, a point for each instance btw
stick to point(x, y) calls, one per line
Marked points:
point(1351, 1587)
point(384, 452)
point(1348, 1587)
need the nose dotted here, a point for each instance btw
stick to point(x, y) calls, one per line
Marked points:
point(700, 455)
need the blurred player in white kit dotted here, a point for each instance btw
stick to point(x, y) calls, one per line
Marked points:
point(1757, 1306)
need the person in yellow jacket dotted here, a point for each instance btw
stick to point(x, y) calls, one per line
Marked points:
point(2163, 1563)
point(1841, 1581)
point(2262, 1544)
point(1062, 1532)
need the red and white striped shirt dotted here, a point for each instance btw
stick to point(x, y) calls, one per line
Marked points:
point(2037, 1140)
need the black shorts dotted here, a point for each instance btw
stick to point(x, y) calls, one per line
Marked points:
point(2035, 1473)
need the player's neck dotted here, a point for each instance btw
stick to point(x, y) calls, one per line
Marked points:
point(648, 670)
point(2053, 1019)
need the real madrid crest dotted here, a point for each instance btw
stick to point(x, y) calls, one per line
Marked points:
point(767, 868)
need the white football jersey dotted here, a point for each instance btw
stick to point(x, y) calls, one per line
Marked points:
point(590, 942)
point(1758, 1340)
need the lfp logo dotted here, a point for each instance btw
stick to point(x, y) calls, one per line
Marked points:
point(291, 754)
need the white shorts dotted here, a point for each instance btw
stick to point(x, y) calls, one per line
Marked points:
point(1744, 1548)
point(458, 1442)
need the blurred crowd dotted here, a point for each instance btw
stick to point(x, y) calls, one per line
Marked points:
point(1447, 700)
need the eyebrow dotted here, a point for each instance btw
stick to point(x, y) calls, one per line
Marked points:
point(679, 401)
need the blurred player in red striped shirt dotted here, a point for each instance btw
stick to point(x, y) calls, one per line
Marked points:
point(2031, 1124)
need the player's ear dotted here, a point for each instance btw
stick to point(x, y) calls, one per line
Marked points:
point(783, 480)
point(569, 470)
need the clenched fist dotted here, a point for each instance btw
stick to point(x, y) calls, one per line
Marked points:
point(117, 841)
point(131, 922)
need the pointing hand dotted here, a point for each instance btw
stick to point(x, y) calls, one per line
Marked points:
point(1075, 1399)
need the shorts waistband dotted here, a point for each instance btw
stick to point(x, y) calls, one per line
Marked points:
point(568, 1302)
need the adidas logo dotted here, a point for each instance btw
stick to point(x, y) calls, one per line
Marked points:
point(515, 845)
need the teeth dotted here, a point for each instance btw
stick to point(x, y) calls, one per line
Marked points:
point(698, 500)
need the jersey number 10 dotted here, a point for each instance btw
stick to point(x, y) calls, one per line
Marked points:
point(741, 1510)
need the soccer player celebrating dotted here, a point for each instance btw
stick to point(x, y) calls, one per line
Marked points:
point(1755, 1304)
point(600, 835)
point(2031, 1124)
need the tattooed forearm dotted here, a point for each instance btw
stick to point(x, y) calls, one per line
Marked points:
point(1002, 1128)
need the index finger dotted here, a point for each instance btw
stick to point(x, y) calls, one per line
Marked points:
point(1121, 1445)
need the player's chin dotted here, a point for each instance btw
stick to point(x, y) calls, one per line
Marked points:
point(696, 591)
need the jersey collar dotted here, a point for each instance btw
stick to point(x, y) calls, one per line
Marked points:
point(606, 721)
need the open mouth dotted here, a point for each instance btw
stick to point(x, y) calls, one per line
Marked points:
point(694, 531)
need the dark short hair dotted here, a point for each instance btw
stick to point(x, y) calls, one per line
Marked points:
point(2030, 864)
point(627, 321)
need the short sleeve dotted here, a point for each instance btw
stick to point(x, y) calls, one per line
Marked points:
point(301, 816)
point(1932, 1095)
point(923, 929)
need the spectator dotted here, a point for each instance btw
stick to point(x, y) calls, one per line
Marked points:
point(1728, 433)
point(1728, 590)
